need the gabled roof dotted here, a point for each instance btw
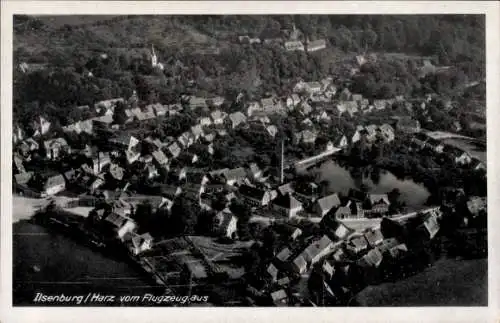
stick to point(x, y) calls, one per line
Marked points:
point(252, 192)
point(197, 130)
point(286, 188)
point(174, 149)
point(317, 247)
point(237, 118)
point(287, 201)
point(328, 202)
point(218, 115)
point(372, 258)
point(379, 198)
point(284, 254)
point(374, 236)
point(235, 174)
point(48, 144)
point(476, 204)
point(160, 157)
point(359, 242)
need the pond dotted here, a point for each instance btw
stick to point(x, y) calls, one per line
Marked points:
point(340, 180)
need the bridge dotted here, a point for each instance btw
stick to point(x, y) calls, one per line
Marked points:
point(310, 161)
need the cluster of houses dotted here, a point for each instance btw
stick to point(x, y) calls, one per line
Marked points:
point(460, 157)
point(290, 41)
point(334, 255)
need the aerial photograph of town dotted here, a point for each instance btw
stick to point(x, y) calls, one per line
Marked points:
point(249, 160)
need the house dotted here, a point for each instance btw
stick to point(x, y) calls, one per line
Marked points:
point(254, 172)
point(371, 132)
point(387, 132)
point(236, 119)
point(54, 184)
point(293, 100)
point(235, 176)
point(186, 139)
point(379, 203)
point(328, 269)
point(55, 148)
point(284, 255)
point(124, 141)
point(273, 272)
point(196, 132)
point(345, 95)
point(380, 104)
point(225, 224)
point(279, 298)
point(108, 106)
point(204, 121)
point(307, 123)
point(357, 244)
point(459, 156)
point(197, 102)
point(435, 145)
point(476, 164)
point(313, 87)
point(253, 196)
point(160, 110)
point(325, 204)
point(100, 161)
point(431, 226)
point(174, 150)
point(299, 265)
point(316, 45)
point(308, 136)
point(272, 105)
point(476, 205)
point(335, 229)
point(341, 142)
point(287, 205)
point(372, 259)
point(408, 125)
point(218, 116)
point(398, 251)
point(294, 46)
point(286, 188)
point(374, 237)
point(305, 108)
point(272, 130)
point(328, 146)
point(356, 97)
point(140, 243)
point(215, 102)
point(323, 117)
point(17, 162)
point(159, 158)
point(350, 210)
point(23, 178)
point(120, 224)
point(253, 107)
point(387, 244)
point(317, 250)
point(357, 134)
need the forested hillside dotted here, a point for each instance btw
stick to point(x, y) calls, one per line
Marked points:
point(116, 51)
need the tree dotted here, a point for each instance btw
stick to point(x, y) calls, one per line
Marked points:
point(184, 217)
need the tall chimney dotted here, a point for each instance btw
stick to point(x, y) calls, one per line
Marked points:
point(282, 161)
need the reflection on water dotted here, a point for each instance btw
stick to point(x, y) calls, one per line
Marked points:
point(341, 180)
point(48, 262)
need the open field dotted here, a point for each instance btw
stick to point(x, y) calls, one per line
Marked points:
point(448, 283)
